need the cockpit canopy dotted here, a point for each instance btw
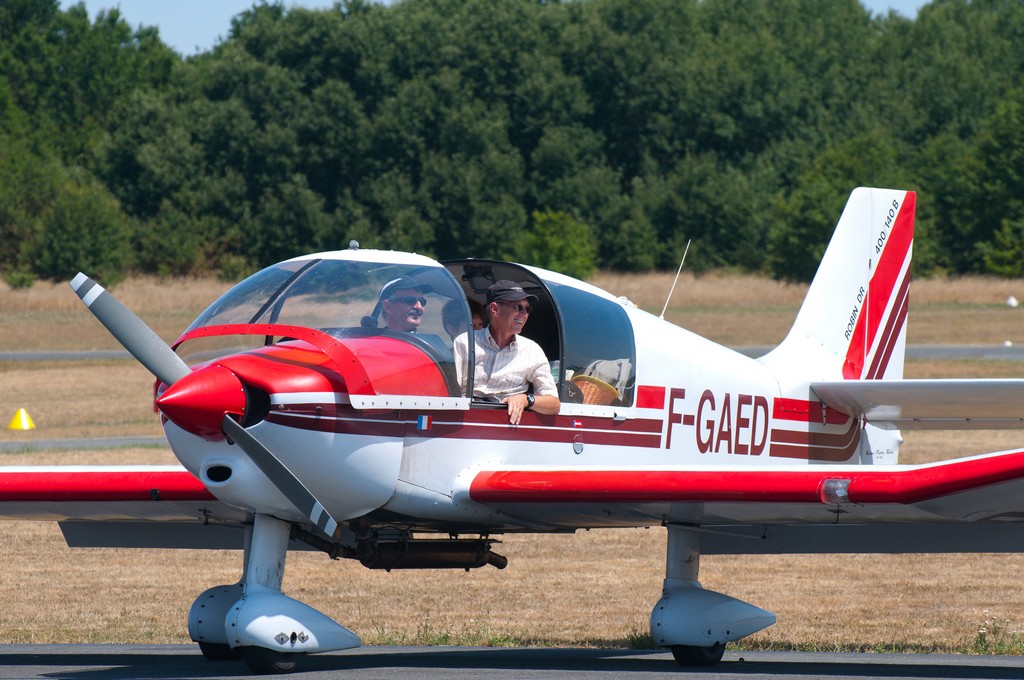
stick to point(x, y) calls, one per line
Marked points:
point(585, 333)
point(332, 293)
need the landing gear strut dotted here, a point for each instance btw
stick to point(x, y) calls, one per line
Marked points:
point(694, 623)
point(255, 620)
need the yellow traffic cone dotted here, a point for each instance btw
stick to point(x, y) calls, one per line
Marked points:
point(21, 421)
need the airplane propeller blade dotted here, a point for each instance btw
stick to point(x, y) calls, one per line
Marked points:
point(286, 482)
point(128, 329)
point(153, 353)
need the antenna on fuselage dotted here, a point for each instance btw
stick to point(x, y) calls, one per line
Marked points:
point(678, 272)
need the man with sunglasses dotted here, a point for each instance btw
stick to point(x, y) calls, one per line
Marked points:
point(402, 302)
point(508, 365)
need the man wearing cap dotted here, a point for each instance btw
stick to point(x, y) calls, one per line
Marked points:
point(506, 363)
point(403, 302)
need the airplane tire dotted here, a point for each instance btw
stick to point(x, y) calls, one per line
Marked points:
point(686, 655)
point(268, 662)
point(217, 652)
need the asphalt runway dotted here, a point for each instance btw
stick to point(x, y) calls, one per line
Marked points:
point(453, 663)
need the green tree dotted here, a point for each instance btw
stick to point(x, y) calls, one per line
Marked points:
point(284, 226)
point(558, 242)
point(443, 127)
point(83, 230)
point(992, 202)
point(28, 183)
point(68, 74)
point(1004, 254)
point(806, 218)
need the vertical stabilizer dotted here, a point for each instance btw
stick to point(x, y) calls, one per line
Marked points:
point(852, 324)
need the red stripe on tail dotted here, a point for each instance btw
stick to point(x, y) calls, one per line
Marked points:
point(880, 290)
point(892, 331)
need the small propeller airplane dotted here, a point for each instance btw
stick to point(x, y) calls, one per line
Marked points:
point(301, 422)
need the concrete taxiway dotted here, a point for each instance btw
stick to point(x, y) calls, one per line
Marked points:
point(455, 663)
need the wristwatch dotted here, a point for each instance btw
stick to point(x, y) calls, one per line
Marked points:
point(530, 399)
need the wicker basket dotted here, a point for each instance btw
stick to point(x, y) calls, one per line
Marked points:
point(595, 391)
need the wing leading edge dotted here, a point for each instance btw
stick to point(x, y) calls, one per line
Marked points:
point(122, 506)
point(965, 505)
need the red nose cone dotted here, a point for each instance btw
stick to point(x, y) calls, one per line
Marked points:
point(198, 402)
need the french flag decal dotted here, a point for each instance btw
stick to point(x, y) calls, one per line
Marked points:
point(424, 422)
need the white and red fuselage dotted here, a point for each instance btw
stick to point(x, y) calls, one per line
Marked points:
point(372, 421)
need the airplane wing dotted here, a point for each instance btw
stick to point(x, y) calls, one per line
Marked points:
point(975, 504)
point(121, 506)
point(928, 404)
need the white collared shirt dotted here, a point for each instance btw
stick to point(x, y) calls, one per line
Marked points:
point(502, 372)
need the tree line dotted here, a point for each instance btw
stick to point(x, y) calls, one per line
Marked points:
point(574, 135)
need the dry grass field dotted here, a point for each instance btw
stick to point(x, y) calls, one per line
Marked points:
point(594, 588)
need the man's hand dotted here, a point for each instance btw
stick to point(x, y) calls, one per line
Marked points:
point(516, 405)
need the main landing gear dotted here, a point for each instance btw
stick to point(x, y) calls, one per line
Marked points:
point(254, 620)
point(271, 632)
point(694, 623)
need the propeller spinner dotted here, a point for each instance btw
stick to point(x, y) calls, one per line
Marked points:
point(153, 353)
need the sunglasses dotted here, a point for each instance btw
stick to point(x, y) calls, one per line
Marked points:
point(518, 307)
point(409, 300)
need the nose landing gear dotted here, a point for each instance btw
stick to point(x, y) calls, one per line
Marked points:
point(255, 620)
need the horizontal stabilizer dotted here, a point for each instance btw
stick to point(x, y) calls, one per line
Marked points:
point(947, 404)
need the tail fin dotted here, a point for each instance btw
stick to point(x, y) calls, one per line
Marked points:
point(853, 322)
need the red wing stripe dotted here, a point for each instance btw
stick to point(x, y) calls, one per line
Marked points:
point(912, 485)
point(52, 485)
point(636, 486)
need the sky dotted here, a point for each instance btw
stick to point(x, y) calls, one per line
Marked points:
point(191, 26)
